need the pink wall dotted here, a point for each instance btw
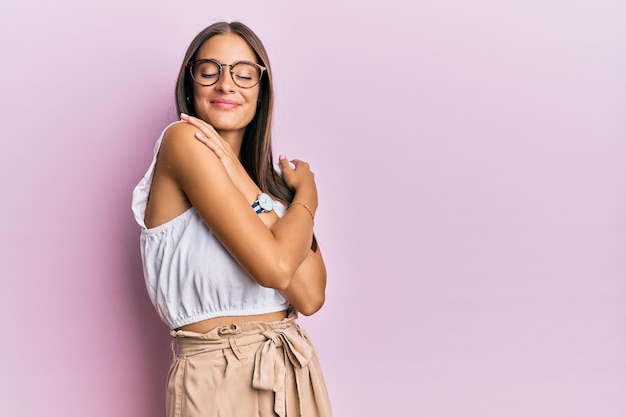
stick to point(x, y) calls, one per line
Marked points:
point(471, 159)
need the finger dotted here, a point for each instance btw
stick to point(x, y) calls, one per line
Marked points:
point(194, 121)
point(210, 143)
point(209, 133)
point(284, 163)
point(297, 162)
point(205, 127)
point(197, 122)
point(202, 138)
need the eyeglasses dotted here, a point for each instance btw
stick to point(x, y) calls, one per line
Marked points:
point(208, 71)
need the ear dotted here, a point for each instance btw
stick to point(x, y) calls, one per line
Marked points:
point(190, 107)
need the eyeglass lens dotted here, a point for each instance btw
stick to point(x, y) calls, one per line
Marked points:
point(208, 73)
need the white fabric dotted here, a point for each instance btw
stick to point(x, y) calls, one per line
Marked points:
point(189, 275)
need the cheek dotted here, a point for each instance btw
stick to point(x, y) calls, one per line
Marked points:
point(253, 105)
point(256, 98)
point(250, 116)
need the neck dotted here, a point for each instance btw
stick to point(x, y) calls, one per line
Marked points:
point(233, 138)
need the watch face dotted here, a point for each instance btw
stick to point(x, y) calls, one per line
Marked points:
point(266, 202)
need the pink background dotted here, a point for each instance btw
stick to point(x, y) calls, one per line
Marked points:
point(471, 161)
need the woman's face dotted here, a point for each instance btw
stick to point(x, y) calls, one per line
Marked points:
point(224, 105)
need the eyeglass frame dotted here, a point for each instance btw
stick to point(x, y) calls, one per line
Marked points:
point(261, 68)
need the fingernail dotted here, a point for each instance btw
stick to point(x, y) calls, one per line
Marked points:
point(281, 157)
point(183, 115)
point(199, 135)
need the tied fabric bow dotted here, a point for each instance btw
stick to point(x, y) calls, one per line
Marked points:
point(269, 364)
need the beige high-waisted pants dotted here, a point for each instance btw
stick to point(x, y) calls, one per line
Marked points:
point(250, 369)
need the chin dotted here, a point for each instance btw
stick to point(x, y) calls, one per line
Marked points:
point(228, 125)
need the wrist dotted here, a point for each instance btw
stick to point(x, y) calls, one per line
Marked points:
point(307, 195)
point(306, 207)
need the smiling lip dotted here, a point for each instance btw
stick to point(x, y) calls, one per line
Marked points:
point(224, 104)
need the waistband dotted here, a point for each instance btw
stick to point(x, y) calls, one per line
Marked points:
point(238, 329)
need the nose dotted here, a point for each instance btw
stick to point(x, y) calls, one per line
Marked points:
point(225, 83)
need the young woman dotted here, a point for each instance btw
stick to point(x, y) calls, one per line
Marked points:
point(227, 242)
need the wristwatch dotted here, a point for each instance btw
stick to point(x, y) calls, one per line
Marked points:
point(263, 204)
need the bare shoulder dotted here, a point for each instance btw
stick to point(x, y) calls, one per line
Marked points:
point(181, 161)
point(177, 132)
point(180, 146)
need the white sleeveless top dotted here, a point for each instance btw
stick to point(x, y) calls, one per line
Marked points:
point(189, 275)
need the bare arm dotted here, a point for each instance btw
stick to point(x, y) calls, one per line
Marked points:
point(306, 290)
point(270, 255)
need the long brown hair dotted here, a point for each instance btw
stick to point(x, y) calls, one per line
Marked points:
point(256, 148)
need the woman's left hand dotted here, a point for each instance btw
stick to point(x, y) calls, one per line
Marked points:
point(209, 136)
point(235, 170)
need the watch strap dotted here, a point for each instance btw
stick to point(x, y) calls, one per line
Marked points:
point(256, 206)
